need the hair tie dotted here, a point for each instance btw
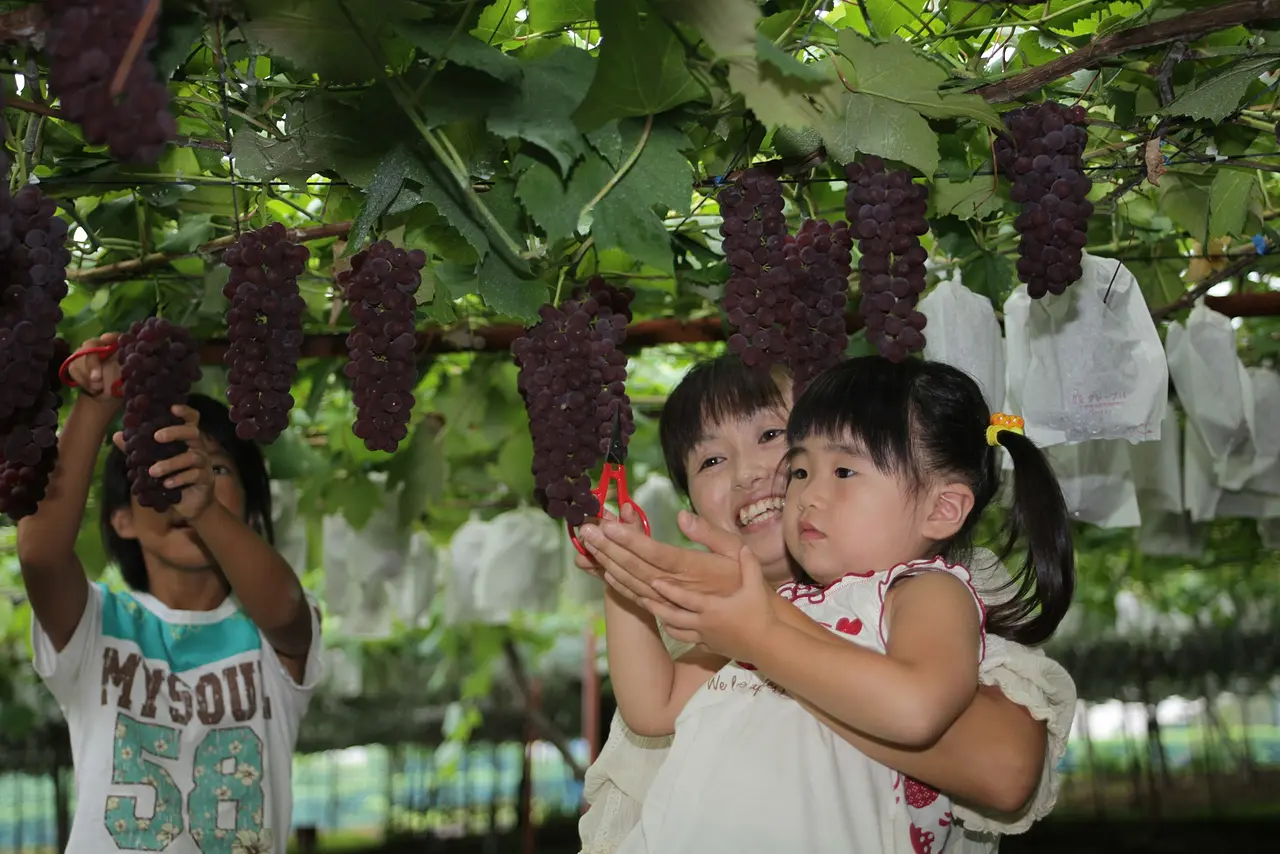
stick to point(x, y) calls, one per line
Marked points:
point(1001, 422)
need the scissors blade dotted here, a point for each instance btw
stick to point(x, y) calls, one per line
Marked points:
point(617, 451)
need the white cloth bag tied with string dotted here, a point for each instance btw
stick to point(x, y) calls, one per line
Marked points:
point(1212, 386)
point(1086, 365)
point(964, 333)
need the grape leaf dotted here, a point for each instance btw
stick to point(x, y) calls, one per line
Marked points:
point(404, 179)
point(641, 68)
point(1185, 199)
point(506, 291)
point(894, 71)
point(966, 199)
point(889, 129)
point(441, 42)
point(316, 35)
point(262, 159)
point(662, 174)
point(1229, 200)
point(607, 140)
point(546, 15)
point(552, 88)
point(192, 231)
point(554, 204)
point(387, 180)
point(987, 273)
point(729, 26)
point(789, 66)
point(1218, 97)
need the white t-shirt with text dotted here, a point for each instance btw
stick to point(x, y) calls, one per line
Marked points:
point(182, 724)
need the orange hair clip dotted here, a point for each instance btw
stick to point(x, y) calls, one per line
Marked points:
point(1000, 422)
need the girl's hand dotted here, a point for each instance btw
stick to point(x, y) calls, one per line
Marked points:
point(589, 564)
point(191, 471)
point(732, 624)
point(632, 560)
point(94, 374)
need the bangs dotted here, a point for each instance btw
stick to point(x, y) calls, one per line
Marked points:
point(714, 392)
point(863, 402)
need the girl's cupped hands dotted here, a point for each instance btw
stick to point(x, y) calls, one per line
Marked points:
point(732, 623)
point(630, 561)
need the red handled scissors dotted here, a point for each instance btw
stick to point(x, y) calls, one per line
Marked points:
point(64, 373)
point(614, 472)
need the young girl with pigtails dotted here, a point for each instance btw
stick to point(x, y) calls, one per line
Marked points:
point(888, 471)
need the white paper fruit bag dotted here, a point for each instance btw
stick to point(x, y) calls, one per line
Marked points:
point(1212, 385)
point(1200, 490)
point(1087, 364)
point(462, 569)
point(963, 332)
point(519, 565)
point(289, 527)
point(1157, 469)
point(1097, 482)
point(1261, 448)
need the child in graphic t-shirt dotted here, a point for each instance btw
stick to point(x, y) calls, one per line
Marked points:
point(184, 696)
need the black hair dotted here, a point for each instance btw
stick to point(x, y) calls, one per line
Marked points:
point(918, 420)
point(712, 392)
point(216, 424)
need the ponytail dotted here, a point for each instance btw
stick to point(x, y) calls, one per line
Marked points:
point(1046, 580)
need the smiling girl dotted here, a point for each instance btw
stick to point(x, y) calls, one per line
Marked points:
point(890, 467)
point(184, 696)
point(723, 436)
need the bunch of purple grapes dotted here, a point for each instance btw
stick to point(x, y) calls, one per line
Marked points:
point(887, 215)
point(380, 291)
point(572, 378)
point(757, 296)
point(818, 258)
point(159, 361)
point(33, 281)
point(1043, 154)
point(29, 447)
point(87, 40)
point(264, 326)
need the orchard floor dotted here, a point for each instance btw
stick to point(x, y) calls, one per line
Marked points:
point(1053, 837)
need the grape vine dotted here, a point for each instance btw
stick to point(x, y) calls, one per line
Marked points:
point(887, 215)
point(380, 290)
point(87, 40)
point(159, 361)
point(572, 377)
point(1043, 154)
point(264, 327)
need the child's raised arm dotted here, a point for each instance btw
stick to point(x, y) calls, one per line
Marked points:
point(53, 575)
point(267, 587)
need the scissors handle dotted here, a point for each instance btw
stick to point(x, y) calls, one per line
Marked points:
point(614, 474)
point(64, 373)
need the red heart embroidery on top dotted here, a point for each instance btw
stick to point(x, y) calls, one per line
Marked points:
point(849, 627)
point(918, 794)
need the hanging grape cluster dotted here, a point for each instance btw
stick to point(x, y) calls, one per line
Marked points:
point(1043, 154)
point(757, 295)
point(159, 361)
point(86, 43)
point(886, 212)
point(785, 300)
point(818, 260)
point(380, 290)
point(572, 377)
point(264, 327)
point(29, 444)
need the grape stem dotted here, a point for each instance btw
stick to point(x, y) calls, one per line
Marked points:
point(134, 47)
point(621, 173)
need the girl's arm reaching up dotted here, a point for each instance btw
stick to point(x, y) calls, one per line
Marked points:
point(51, 572)
point(267, 587)
point(650, 688)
